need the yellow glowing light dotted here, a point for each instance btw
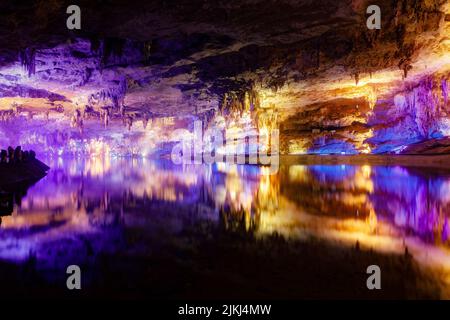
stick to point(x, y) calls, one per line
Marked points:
point(98, 148)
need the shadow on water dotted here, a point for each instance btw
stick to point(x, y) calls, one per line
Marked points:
point(11, 196)
point(141, 228)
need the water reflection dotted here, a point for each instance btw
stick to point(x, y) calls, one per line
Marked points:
point(384, 208)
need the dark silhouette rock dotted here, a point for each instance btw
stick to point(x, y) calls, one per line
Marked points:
point(10, 154)
point(21, 169)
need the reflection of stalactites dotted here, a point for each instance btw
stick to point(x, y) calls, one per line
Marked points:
point(86, 76)
point(440, 224)
point(27, 59)
point(77, 120)
point(372, 220)
point(266, 200)
point(239, 221)
point(405, 66)
point(128, 121)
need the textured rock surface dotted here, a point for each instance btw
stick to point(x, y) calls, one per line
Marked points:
point(139, 70)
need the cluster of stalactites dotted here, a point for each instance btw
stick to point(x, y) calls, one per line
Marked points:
point(107, 48)
point(267, 118)
point(371, 97)
point(76, 120)
point(28, 61)
point(114, 95)
point(240, 102)
point(263, 119)
point(207, 117)
point(110, 49)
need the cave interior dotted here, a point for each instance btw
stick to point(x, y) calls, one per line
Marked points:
point(136, 72)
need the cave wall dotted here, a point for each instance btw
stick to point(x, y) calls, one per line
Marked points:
point(309, 68)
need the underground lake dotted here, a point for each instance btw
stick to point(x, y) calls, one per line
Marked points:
point(225, 151)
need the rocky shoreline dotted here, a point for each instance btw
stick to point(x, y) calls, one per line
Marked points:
point(441, 161)
point(18, 168)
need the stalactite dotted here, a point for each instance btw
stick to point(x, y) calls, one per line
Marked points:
point(404, 17)
point(86, 76)
point(253, 99)
point(146, 50)
point(128, 122)
point(28, 61)
point(356, 78)
point(112, 47)
point(145, 122)
point(406, 67)
point(95, 44)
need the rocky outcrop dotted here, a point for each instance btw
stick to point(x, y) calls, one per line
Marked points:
point(19, 170)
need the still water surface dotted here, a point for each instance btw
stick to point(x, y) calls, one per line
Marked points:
point(387, 209)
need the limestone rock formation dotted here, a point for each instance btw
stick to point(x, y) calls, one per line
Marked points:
point(138, 71)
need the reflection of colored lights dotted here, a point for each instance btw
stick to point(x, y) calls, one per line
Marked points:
point(372, 220)
point(297, 173)
point(362, 179)
point(97, 166)
point(264, 185)
point(382, 208)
